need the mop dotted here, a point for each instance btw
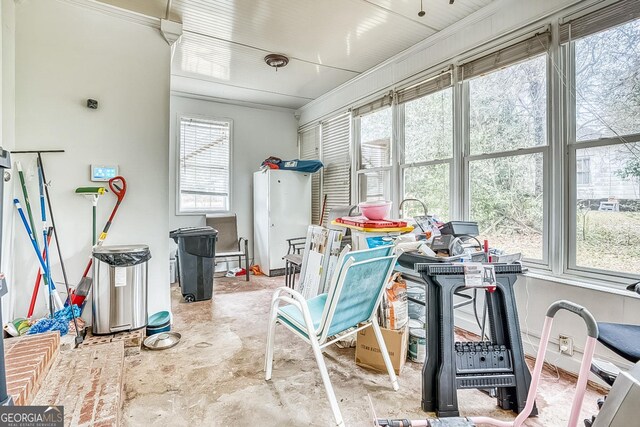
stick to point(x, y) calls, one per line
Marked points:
point(118, 186)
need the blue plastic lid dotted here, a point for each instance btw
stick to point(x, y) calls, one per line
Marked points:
point(160, 318)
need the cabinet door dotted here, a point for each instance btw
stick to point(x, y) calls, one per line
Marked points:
point(290, 211)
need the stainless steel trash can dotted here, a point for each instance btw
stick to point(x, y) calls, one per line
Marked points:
point(120, 288)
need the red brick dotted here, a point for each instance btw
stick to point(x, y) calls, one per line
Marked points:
point(28, 360)
point(92, 396)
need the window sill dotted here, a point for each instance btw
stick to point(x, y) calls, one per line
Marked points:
point(613, 287)
point(201, 213)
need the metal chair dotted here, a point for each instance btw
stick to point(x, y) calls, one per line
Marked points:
point(354, 295)
point(229, 245)
point(293, 260)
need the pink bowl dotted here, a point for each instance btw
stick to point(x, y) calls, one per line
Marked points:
point(375, 210)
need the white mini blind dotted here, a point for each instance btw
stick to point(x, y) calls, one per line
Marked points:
point(424, 88)
point(375, 105)
point(615, 14)
point(204, 164)
point(309, 144)
point(336, 175)
point(517, 52)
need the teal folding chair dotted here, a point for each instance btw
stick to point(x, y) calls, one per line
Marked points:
point(355, 291)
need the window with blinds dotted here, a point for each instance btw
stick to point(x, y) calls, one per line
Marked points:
point(336, 175)
point(204, 178)
point(309, 145)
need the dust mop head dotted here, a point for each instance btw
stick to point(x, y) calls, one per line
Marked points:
point(91, 190)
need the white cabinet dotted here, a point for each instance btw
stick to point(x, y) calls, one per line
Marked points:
point(281, 210)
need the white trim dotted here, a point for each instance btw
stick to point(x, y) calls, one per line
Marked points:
point(610, 287)
point(247, 104)
point(178, 211)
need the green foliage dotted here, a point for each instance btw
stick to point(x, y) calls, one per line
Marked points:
point(631, 169)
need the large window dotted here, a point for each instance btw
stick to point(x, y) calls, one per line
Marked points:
point(604, 150)
point(507, 144)
point(375, 155)
point(204, 163)
point(428, 152)
point(536, 138)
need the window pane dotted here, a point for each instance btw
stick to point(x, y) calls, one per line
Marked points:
point(375, 139)
point(428, 127)
point(608, 209)
point(508, 108)
point(204, 165)
point(608, 82)
point(374, 186)
point(506, 200)
point(429, 184)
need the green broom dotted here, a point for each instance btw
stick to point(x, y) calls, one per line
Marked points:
point(94, 193)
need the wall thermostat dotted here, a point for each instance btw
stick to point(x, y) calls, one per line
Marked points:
point(100, 173)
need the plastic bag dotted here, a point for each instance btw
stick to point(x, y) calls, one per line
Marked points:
point(124, 259)
point(394, 309)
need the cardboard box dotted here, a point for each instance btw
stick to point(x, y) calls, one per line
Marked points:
point(368, 353)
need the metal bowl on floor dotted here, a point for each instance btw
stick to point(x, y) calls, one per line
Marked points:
point(162, 341)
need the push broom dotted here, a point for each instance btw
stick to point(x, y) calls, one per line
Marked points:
point(93, 193)
point(118, 186)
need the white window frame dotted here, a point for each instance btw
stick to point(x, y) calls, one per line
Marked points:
point(614, 278)
point(200, 212)
point(545, 150)
point(403, 166)
point(392, 168)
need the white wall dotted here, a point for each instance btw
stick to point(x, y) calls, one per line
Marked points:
point(257, 134)
point(7, 108)
point(65, 54)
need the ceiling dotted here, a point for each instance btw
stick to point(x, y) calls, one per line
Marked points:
point(328, 42)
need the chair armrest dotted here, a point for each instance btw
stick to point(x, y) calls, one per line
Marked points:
point(240, 240)
point(294, 297)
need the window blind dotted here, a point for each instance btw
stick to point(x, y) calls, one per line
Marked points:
point(425, 88)
point(204, 160)
point(309, 141)
point(607, 17)
point(372, 106)
point(336, 175)
point(520, 51)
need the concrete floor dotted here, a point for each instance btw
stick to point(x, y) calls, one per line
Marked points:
point(214, 376)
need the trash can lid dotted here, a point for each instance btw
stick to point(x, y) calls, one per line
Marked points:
point(193, 231)
point(120, 249)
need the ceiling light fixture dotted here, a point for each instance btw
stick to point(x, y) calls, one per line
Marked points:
point(422, 12)
point(276, 60)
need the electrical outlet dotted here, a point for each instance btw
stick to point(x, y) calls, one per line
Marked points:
point(565, 344)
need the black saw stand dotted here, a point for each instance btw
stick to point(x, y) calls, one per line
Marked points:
point(449, 366)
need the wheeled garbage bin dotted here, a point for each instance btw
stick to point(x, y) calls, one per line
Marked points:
point(119, 288)
point(196, 261)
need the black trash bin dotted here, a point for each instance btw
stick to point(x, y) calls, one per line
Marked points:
point(196, 263)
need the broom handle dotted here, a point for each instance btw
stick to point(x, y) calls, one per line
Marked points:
point(27, 204)
point(118, 186)
point(36, 285)
point(64, 270)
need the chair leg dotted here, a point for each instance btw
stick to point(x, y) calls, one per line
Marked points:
point(333, 402)
point(246, 259)
point(271, 337)
point(385, 354)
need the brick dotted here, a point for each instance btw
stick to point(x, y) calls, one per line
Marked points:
point(88, 383)
point(28, 360)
